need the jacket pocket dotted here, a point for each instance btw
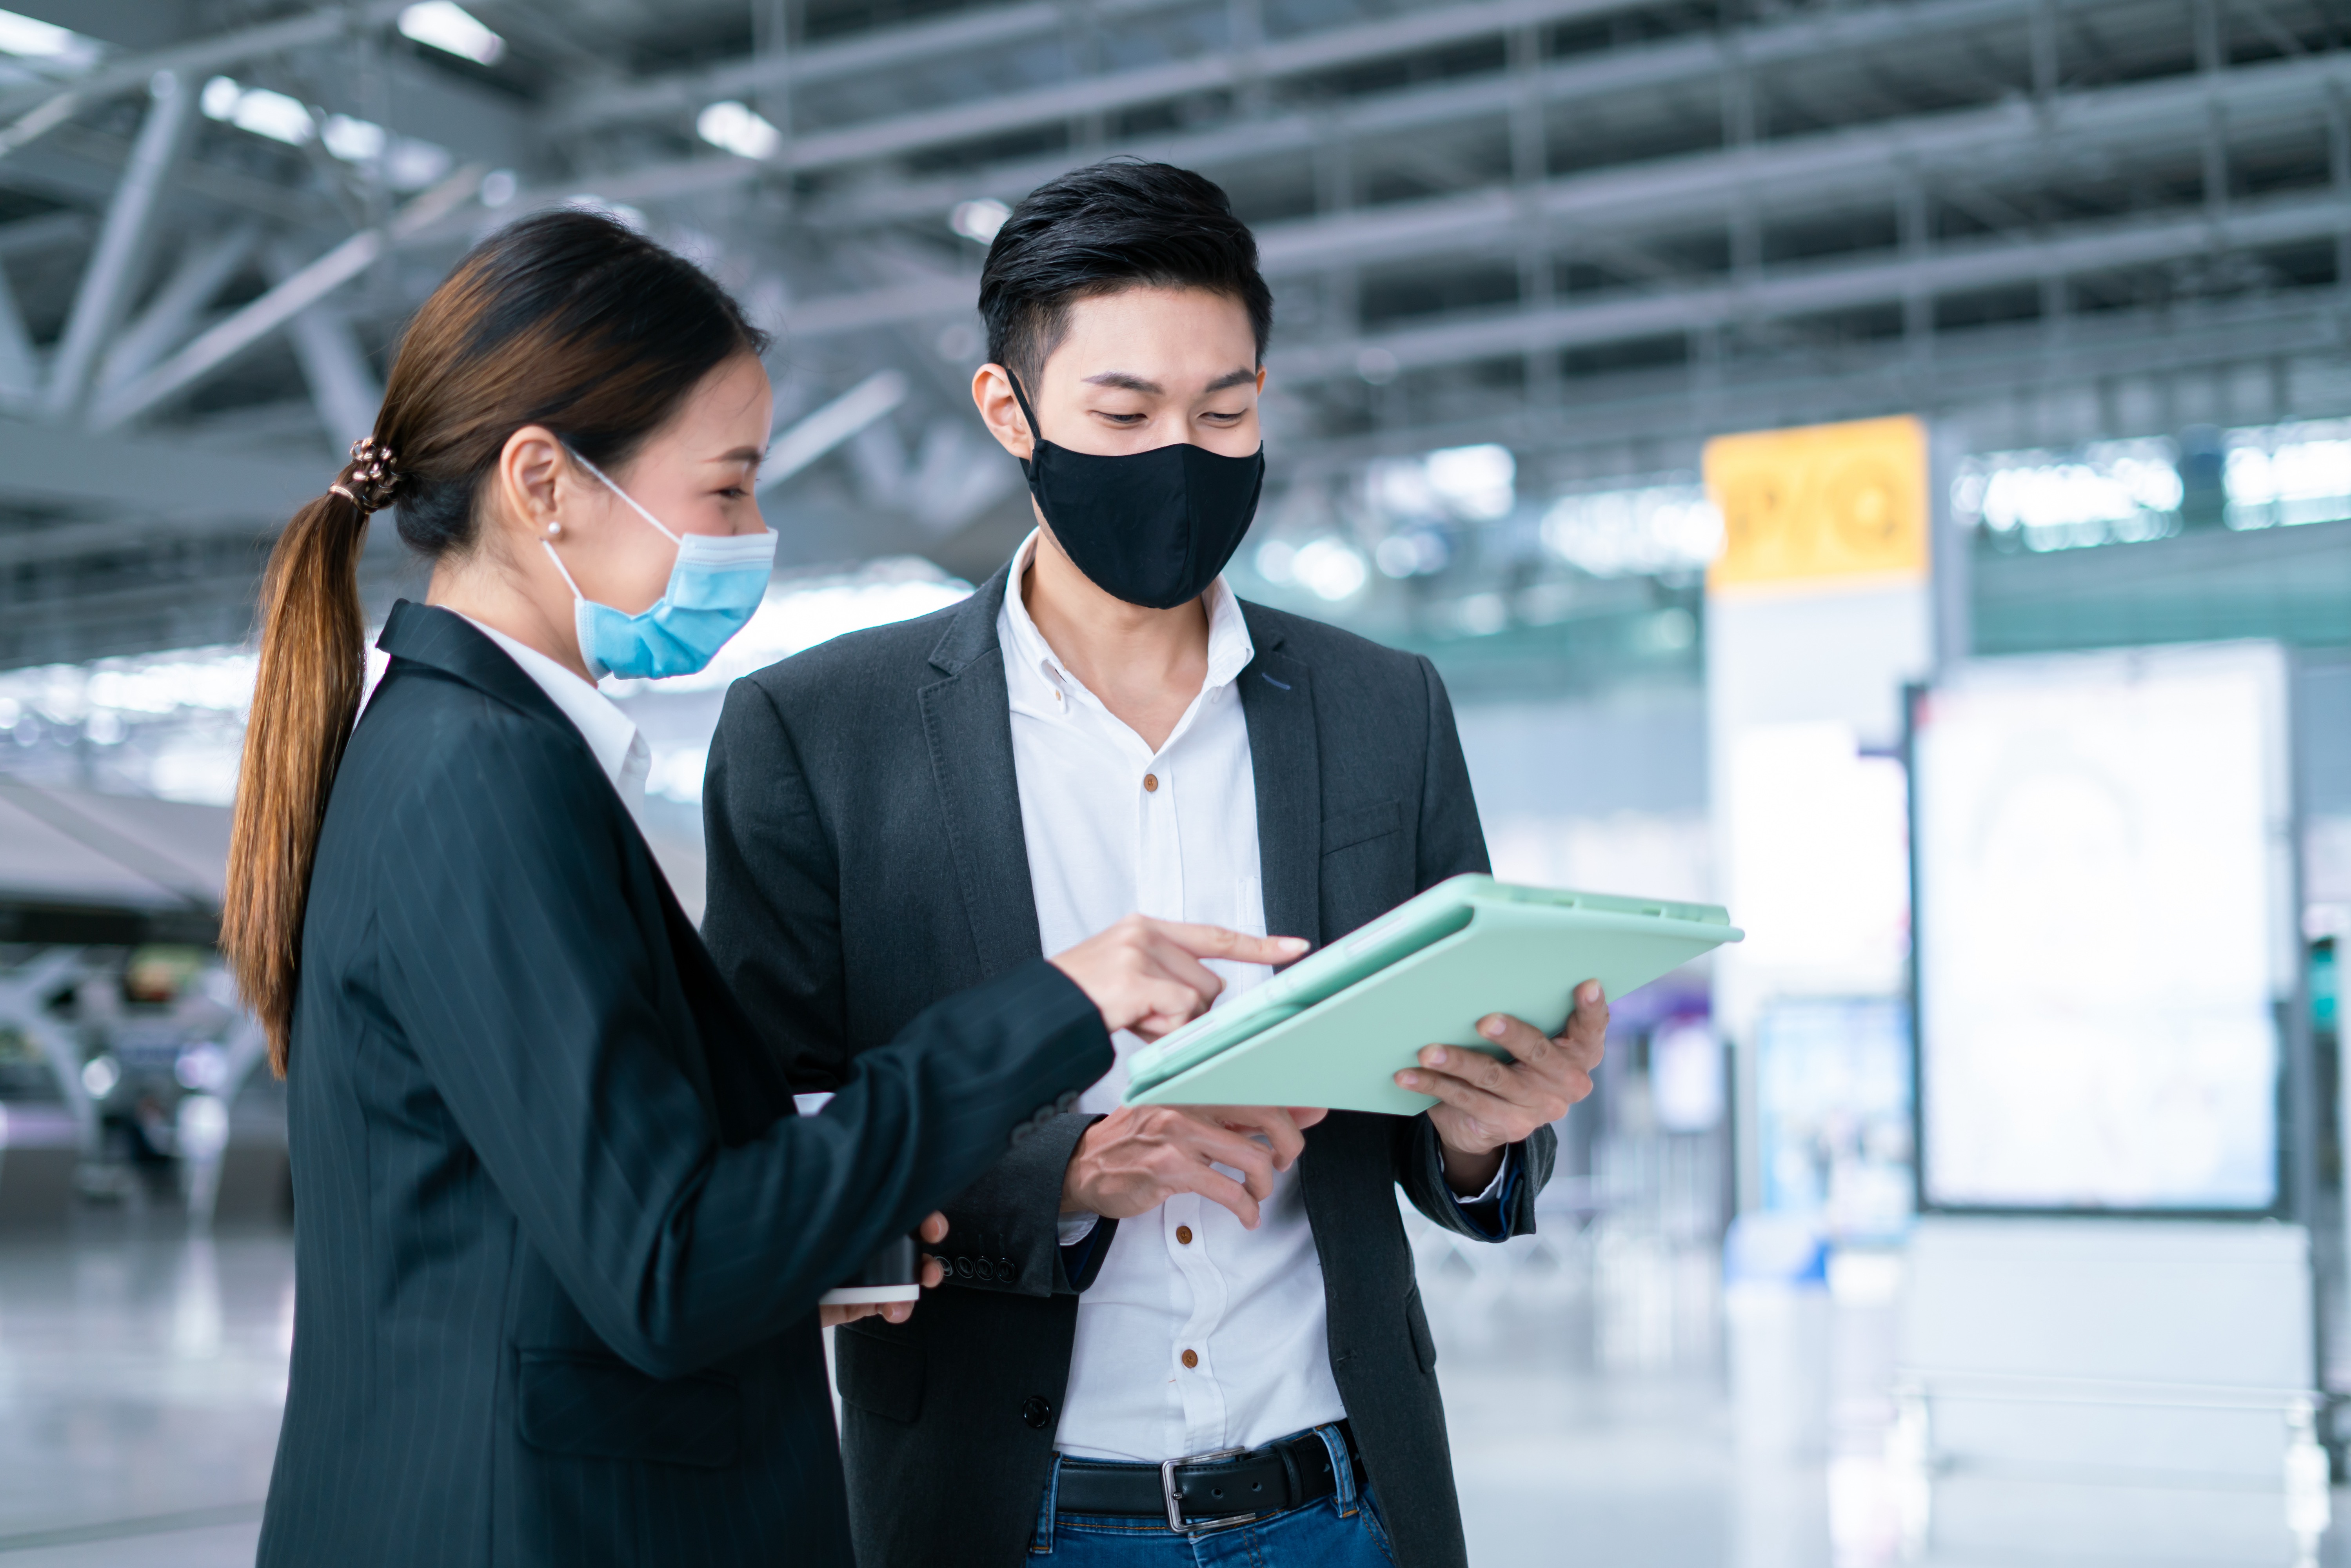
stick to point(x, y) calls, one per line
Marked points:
point(598, 1407)
point(1351, 828)
point(1415, 1322)
point(880, 1373)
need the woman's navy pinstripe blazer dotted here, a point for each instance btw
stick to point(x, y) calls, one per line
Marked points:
point(558, 1235)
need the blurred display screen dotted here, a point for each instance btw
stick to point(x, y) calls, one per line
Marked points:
point(1833, 1112)
point(2103, 929)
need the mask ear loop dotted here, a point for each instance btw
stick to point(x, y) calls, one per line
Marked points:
point(548, 546)
point(624, 496)
point(1036, 431)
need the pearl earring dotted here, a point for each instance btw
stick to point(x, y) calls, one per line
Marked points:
point(555, 530)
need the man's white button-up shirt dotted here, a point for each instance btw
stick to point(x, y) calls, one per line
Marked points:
point(1198, 1334)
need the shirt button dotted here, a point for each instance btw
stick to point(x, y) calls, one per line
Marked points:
point(1184, 1234)
point(1191, 1359)
point(1150, 782)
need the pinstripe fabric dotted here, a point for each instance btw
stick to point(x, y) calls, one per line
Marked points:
point(559, 1236)
point(867, 856)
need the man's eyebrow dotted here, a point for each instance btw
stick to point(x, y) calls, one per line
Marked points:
point(743, 454)
point(1125, 382)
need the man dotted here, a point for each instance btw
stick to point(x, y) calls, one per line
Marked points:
point(1105, 729)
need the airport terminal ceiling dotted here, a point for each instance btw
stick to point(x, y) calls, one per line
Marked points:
point(1556, 244)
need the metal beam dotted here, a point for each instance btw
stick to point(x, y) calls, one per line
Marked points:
point(47, 232)
point(121, 251)
point(221, 343)
point(1799, 291)
point(829, 427)
point(342, 384)
point(1840, 167)
point(199, 58)
point(126, 536)
point(1973, 371)
point(147, 476)
point(203, 270)
point(1634, 69)
point(20, 362)
point(882, 48)
point(1413, 32)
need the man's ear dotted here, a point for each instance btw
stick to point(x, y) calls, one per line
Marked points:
point(991, 392)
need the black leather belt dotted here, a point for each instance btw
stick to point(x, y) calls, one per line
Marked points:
point(1231, 1486)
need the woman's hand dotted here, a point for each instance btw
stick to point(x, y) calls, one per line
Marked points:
point(1146, 976)
point(934, 1230)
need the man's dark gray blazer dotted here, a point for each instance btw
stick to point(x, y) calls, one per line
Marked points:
point(866, 859)
point(558, 1234)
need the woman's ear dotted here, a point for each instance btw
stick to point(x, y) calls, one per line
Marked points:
point(533, 472)
point(991, 390)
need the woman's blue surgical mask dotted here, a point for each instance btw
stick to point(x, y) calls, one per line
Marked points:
point(716, 584)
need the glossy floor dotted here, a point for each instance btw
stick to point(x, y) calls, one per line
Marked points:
point(142, 1373)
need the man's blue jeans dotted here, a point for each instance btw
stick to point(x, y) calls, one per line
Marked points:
point(1339, 1532)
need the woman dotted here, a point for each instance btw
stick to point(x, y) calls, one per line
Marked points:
point(560, 1237)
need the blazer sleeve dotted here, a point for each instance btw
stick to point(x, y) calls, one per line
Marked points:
point(1452, 841)
point(773, 924)
point(525, 983)
point(772, 916)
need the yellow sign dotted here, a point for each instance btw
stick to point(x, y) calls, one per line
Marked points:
point(1819, 503)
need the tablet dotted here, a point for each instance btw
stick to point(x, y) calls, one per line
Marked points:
point(1334, 1027)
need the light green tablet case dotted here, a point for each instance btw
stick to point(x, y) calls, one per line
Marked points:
point(1334, 1027)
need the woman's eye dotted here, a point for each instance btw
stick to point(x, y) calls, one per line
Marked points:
point(734, 492)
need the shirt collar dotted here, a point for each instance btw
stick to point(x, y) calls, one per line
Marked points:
point(1028, 654)
point(619, 749)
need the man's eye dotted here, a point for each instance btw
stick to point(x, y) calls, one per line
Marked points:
point(734, 492)
point(1125, 418)
point(1213, 414)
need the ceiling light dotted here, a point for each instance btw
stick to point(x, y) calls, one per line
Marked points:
point(446, 25)
point(1329, 568)
point(736, 127)
point(979, 220)
point(353, 140)
point(33, 40)
point(259, 111)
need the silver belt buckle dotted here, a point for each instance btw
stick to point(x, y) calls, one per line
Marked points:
point(1176, 1520)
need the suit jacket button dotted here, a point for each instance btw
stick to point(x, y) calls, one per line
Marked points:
point(1066, 1102)
point(984, 1269)
point(1036, 1411)
point(963, 1268)
point(1006, 1270)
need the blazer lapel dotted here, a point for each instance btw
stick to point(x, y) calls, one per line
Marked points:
point(447, 642)
point(967, 722)
point(1278, 701)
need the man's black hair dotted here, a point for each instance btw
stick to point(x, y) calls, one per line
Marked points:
point(1104, 228)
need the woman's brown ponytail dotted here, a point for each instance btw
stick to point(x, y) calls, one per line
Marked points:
point(565, 319)
point(305, 697)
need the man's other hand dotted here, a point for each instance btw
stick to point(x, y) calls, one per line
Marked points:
point(1484, 1105)
point(1139, 1156)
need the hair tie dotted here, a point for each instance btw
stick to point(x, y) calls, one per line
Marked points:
point(370, 481)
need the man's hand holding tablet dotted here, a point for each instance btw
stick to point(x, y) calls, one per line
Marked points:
point(1484, 1105)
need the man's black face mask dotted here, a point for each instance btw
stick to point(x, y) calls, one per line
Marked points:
point(1152, 528)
